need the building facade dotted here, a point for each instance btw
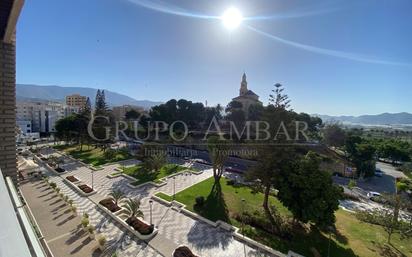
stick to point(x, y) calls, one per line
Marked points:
point(119, 112)
point(9, 13)
point(246, 97)
point(76, 100)
point(42, 114)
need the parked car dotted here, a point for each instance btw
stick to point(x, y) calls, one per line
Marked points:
point(373, 194)
point(378, 173)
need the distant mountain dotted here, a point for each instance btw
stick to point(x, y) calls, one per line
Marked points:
point(402, 118)
point(59, 93)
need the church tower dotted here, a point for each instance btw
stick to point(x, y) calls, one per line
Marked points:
point(243, 85)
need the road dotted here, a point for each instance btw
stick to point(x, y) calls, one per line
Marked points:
point(384, 184)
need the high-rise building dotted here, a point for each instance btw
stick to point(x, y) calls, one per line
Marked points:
point(76, 100)
point(42, 114)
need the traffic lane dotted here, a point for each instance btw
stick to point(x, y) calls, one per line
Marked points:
point(384, 184)
point(234, 162)
point(389, 170)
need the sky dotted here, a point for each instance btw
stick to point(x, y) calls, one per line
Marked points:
point(336, 57)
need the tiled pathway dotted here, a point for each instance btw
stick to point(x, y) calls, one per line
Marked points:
point(205, 240)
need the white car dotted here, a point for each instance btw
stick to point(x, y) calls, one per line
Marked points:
point(373, 194)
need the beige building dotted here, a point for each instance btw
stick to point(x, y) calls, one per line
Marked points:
point(246, 97)
point(119, 112)
point(76, 100)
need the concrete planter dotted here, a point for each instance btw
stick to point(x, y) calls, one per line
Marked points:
point(76, 188)
point(120, 216)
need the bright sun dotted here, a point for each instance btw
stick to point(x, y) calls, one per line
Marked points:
point(231, 18)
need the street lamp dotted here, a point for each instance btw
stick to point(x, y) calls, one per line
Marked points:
point(151, 203)
point(174, 188)
point(92, 180)
point(243, 225)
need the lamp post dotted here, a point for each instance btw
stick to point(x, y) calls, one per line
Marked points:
point(151, 203)
point(174, 188)
point(92, 180)
point(243, 226)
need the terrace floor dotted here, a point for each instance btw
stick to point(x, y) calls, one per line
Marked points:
point(57, 223)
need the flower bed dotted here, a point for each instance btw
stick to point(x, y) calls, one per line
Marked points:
point(85, 188)
point(140, 226)
point(110, 205)
point(59, 170)
point(72, 179)
point(183, 251)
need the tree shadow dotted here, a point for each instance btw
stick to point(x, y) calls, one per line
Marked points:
point(340, 238)
point(388, 250)
point(204, 236)
point(214, 207)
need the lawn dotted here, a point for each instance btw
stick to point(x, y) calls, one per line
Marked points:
point(91, 155)
point(143, 176)
point(353, 238)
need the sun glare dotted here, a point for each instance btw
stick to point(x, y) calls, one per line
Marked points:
point(231, 18)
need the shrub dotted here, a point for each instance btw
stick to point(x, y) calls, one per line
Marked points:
point(200, 200)
point(57, 189)
point(74, 209)
point(230, 182)
point(90, 229)
point(66, 198)
point(85, 215)
point(85, 222)
point(53, 185)
point(101, 240)
point(70, 202)
point(109, 154)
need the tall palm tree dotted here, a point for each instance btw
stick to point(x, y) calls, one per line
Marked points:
point(132, 208)
point(116, 195)
point(218, 154)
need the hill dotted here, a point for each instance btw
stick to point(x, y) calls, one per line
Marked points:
point(402, 118)
point(59, 93)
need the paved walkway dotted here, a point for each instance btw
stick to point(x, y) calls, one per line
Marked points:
point(59, 226)
point(176, 227)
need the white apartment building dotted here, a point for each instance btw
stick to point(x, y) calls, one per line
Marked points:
point(42, 114)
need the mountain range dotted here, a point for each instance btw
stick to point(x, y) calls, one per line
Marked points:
point(59, 93)
point(402, 118)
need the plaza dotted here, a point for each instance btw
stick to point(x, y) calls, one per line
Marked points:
point(175, 227)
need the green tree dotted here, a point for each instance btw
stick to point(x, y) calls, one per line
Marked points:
point(271, 161)
point(273, 158)
point(218, 153)
point(132, 115)
point(308, 192)
point(100, 107)
point(334, 135)
point(155, 161)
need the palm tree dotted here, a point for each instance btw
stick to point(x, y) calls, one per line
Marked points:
point(117, 196)
point(218, 154)
point(132, 208)
point(155, 162)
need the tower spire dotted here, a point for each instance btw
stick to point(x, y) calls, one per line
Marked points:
point(243, 85)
